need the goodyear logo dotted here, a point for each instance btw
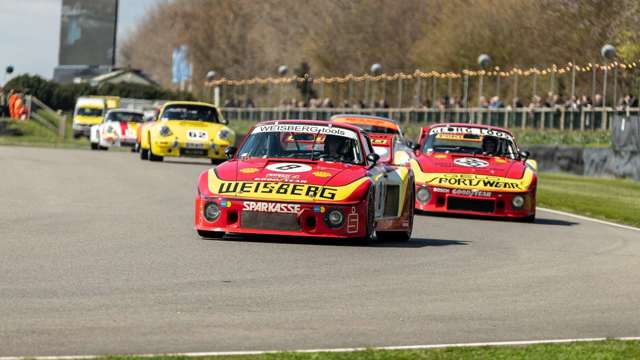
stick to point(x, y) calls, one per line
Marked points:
point(284, 189)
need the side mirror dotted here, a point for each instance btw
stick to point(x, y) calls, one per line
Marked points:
point(414, 146)
point(373, 159)
point(524, 154)
point(230, 151)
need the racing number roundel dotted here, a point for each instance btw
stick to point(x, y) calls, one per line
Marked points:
point(289, 168)
point(471, 162)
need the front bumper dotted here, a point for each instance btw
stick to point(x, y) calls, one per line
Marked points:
point(308, 219)
point(174, 148)
point(471, 202)
point(81, 129)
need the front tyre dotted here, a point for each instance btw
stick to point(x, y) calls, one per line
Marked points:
point(144, 154)
point(152, 156)
point(94, 146)
point(371, 213)
point(529, 219)
point(211, 234)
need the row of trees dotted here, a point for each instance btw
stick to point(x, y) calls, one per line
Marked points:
point(246, 38)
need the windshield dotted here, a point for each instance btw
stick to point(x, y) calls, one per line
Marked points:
point(84, 111)
point(125, 117)
point(469, 140)
point(301, 141)
point(190, 112)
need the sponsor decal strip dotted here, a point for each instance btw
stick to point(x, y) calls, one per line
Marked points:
point(305, 129)
point(274, 190)
point(271, 207)
point(470, 130)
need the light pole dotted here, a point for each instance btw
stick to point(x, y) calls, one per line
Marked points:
point(282, 71)
point(608, 52)
point(376, 69)
point(215, 91)
point(484, 61)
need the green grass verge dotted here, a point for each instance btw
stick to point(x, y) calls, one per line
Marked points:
point(610, 199)
point(29, 133)
point(611, 349)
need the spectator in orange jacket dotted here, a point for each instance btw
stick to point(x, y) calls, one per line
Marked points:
point(19, 108)
point(12, 100)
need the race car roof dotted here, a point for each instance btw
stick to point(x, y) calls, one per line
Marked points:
point(366, 120)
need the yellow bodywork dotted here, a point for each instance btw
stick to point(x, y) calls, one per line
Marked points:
point(186, 134)
point(87, 120)
point(473, 181)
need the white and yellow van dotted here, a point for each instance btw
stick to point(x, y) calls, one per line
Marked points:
point(88, 112)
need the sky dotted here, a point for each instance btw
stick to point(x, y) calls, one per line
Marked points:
point(31, 33)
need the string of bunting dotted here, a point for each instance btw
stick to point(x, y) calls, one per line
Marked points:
point(496, 71)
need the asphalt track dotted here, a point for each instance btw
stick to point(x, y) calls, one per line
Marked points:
point(98, 256)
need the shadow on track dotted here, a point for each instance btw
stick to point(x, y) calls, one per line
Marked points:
point(543, 221)
point(181, 162)
point(419, 243)
point(538, 221)
point(414, 243)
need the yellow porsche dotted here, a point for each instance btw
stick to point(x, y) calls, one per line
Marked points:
point(185, 128)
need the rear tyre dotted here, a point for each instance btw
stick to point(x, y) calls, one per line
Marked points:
point(211, 234)
point(94, 146)
point(530, 218)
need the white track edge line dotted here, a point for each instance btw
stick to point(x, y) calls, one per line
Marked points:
point(400, 347)
point(627, 227)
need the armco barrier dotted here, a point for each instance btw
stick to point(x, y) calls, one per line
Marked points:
point(587, 161)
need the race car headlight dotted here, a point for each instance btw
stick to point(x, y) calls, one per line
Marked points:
point(224, 134)
point(517, 201)
point(423, 195)
point(334, 218)
point(211, 211)
point(165, 131)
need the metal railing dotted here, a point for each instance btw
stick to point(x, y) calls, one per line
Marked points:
point(526, 118)
point(42, 114)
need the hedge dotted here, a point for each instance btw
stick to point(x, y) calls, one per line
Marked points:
point(63, 96)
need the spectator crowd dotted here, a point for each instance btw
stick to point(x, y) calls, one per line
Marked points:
point(551, 100)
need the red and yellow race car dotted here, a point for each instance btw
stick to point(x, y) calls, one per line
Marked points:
point(305, 178)
point(385, 134)
point(475, 170)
